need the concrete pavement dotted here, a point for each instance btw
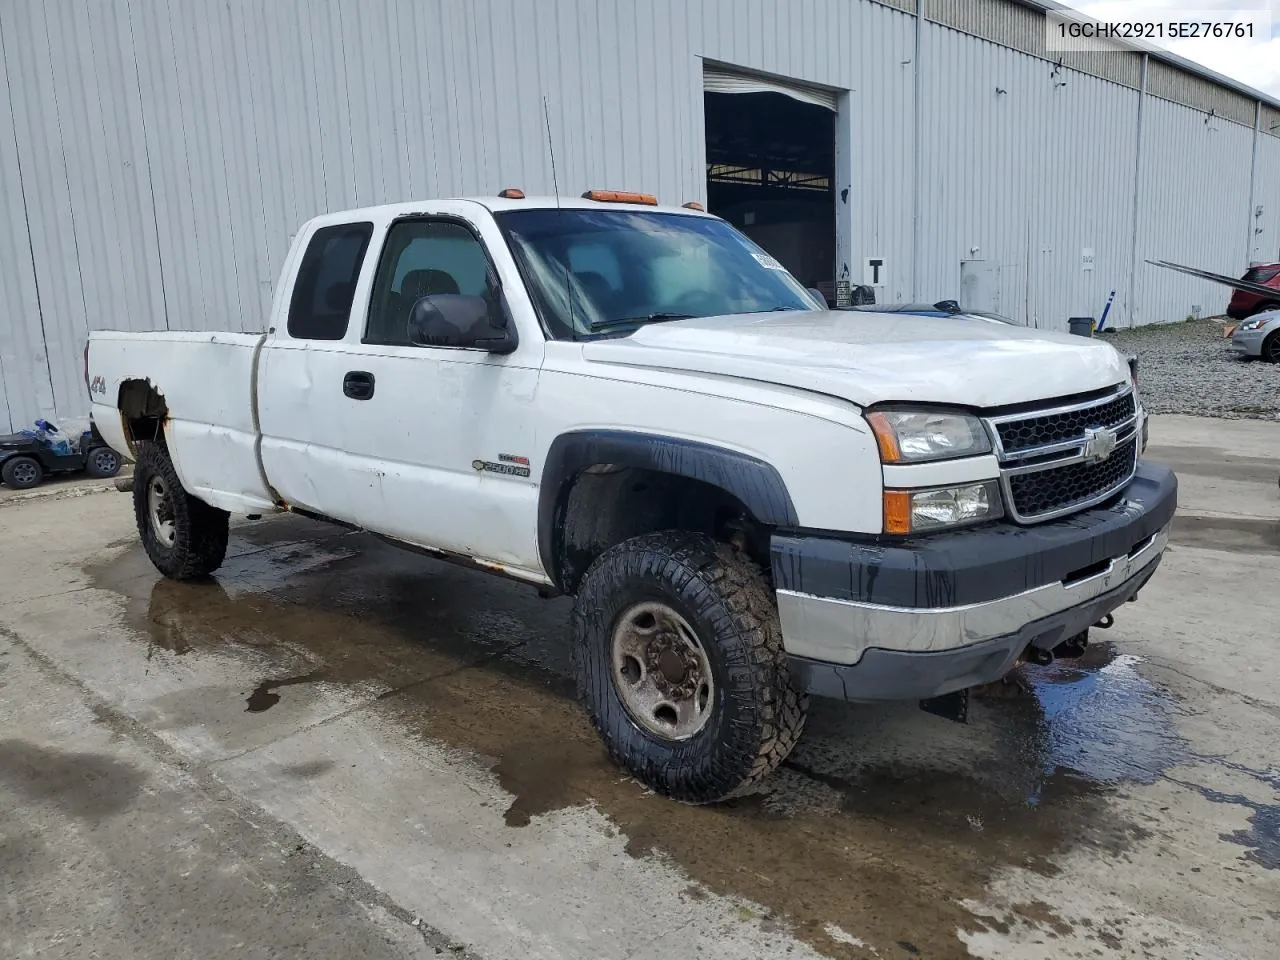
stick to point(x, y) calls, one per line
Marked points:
point(335, 740)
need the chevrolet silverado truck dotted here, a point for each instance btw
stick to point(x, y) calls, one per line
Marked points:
point(752, 499)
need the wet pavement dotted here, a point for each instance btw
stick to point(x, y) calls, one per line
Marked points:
point(482, 665)
point(1124, 804)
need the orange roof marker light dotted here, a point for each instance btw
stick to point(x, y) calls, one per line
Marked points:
point(620, 196)
point(694, 205)
point(512, 193)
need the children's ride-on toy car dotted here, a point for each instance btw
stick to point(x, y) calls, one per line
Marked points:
point(25, 459)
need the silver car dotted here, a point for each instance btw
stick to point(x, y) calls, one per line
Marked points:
point(1259, 336)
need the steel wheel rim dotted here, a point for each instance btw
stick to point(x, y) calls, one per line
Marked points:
point(160, 511)
point(24, 473)
point(661, 671)
point(104, 460)
point(1272, 348)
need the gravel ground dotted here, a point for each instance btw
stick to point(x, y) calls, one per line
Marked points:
point(1189, 368)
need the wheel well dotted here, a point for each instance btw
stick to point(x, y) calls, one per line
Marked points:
point(605, 504)
point(143, 411)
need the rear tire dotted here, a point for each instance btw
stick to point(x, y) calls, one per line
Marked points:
point(22, 473)
point(704, 607)
point(102, 462)
point(185, 538)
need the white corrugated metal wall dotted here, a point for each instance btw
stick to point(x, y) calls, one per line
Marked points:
point(1266, 229)
point(1025, 173)
point(1195, 169)
point(156, 157)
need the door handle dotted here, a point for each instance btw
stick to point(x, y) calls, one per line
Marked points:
point(358, 384)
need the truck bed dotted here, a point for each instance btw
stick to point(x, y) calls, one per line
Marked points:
point(207, 382)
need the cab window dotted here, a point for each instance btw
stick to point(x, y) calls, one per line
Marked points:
point(326, 282)
point(422, 258)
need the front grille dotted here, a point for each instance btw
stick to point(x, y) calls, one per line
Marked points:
point(1060, 488)
point(1039, 431)
point(1067, 456)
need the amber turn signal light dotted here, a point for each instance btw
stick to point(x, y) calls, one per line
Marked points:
point(897, 511)
point(887, 440)
point(620, 196)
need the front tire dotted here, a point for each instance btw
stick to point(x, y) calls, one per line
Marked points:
point(185, 538)
point(1270, 349)
point(22, 473)
point(681, 668)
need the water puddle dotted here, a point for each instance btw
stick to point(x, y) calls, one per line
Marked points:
point(264, 695)
point(1262, 838)
point(1104, 721)
point(902, 815)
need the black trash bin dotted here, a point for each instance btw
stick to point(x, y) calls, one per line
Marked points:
point(1081, 326)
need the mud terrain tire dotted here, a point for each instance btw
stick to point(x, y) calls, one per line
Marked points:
point(755, 715)
point(191, 540)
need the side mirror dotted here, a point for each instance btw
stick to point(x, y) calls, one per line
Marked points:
point(818, 297)
point(458, 320)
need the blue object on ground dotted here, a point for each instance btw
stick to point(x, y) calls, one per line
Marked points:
point(1105, 310)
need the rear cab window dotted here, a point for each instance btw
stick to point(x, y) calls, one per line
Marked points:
point(325, 286)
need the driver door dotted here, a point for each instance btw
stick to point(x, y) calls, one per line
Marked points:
point(447, 432)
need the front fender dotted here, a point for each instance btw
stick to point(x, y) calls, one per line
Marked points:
point(757, 484)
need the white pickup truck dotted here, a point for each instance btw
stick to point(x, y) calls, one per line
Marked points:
point(752, 499)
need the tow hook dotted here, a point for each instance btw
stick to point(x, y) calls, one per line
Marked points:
point(1039, 656)
point(1073, 647)
point(1106, 622)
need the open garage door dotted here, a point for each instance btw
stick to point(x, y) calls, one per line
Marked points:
point(771, 168)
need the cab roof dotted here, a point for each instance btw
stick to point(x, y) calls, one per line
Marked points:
point(494, 204)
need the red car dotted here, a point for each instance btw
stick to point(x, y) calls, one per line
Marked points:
point(1244, 304)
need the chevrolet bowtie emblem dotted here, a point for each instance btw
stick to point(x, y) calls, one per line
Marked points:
point(1099, 442)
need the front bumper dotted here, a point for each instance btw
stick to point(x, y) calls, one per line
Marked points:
point(868, 620)
point(1248, 343)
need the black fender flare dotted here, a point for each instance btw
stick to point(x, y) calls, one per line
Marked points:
point(754, 482)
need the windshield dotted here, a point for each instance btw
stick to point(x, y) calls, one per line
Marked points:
point(601, 272)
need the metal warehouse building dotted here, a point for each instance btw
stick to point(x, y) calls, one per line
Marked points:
point(156, 157)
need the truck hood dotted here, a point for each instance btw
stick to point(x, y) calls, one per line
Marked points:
point(868, 358)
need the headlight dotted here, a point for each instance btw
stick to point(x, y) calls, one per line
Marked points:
point(914, 436)
point(1246, 325)
point(919, 511)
